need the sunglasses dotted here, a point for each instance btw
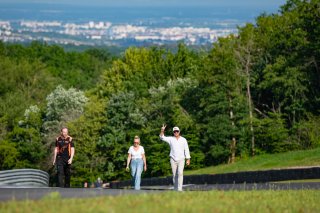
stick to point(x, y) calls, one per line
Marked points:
point(175, 131)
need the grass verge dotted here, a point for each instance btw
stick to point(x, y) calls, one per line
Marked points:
point(211, 201)
point(265, 162)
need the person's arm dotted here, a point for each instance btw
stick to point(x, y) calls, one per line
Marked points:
point(55, 155)
point(71, 157)
point(55, 152)
point(72, 152)
point(187, 153)
point(144, 162)
point(162, 137)
point(128, 161)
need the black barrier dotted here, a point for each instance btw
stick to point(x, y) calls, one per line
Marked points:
point(24, 177)
point(230, 178)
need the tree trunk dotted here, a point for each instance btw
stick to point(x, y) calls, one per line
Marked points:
point(233, 141)
point(244, 52)
point(250, 105)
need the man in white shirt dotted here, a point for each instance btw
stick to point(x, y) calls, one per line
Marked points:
point(179, 151)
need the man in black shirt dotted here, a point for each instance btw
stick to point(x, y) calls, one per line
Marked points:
point(63, 156)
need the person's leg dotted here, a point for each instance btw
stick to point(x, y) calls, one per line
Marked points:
point(60, 169)
point(180, 174)
point(67, 175)
point(133, 168)
point(174, 167)
point(138, 174)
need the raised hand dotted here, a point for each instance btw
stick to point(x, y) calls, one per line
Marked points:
point(163, 127)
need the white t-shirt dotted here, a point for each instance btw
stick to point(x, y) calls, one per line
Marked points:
point(136, 153)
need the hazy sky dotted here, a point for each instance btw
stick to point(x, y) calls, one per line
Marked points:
point(256, 3)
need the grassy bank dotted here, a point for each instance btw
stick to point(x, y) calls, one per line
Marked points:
point(264, 162)
point(212, 201)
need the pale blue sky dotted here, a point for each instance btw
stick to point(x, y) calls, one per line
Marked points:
point(256, 3)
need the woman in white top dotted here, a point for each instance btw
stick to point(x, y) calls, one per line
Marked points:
point(137, 161)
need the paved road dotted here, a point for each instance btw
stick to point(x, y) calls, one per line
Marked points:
point(259, 186)
point(8, 193)
point(20, 193)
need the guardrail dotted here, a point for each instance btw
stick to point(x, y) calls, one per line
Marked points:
point(24, 177)
point(231, 178)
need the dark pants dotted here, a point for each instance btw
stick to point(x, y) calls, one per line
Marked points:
point(64, 170)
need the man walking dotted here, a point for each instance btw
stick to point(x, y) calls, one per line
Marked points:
point(179, 151)
point(63, 156)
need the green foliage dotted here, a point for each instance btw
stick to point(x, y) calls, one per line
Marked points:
point(271, 134)
point(165, 105)
point(307, 132)
point(223, 93)
point(62, 102)
point(28, 75)
point(28, 140)
point(29, 145)
point(88, 161)
point(9, 155)
point(289, 44)
point(63, 106)
point(123, 117)
point(22, 84)
point(73, 69)
point(288, 88)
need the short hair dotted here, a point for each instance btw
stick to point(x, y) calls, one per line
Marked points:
point(64, 128)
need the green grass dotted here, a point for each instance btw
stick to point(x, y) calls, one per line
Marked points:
point(265, 162)
point(212, 201)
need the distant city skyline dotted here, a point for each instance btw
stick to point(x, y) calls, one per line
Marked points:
point(233, 3)
point(127, 22)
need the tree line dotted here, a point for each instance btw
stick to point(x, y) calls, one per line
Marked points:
point(252, 93)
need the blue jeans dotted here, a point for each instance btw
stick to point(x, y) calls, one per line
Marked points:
point(136, 170)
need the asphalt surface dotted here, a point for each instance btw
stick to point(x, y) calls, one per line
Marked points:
point(28, 193)
point(256, 186)
point(9, 193)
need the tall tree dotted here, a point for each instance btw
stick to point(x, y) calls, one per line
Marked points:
point(220, 69)
point(245, 52)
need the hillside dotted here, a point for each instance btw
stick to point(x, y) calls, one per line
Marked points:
point(264, 162)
